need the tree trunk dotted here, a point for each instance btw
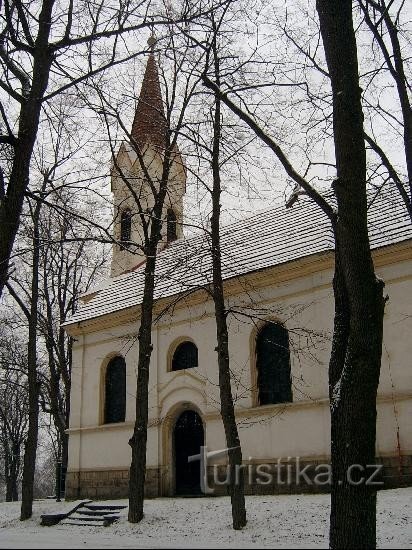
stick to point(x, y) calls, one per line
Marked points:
point(12, 204)
point(8, 474)
point(227, 410)
point(12, 492)
point(359, 303)
point(64, 456)
point(138, 442)
point(9, 488)
point(14, 470)
point(29, 464)
point(6, 478)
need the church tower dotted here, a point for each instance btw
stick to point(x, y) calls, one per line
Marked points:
point(129, 178)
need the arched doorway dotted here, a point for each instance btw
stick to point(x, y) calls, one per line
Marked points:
point(188, 437)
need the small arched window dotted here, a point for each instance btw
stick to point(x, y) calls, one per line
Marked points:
point(273, 365)
point(125, 227)
point(115, 391)
point(171, 226)
point(185, 356)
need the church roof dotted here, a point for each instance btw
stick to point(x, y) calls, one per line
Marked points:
point(267, 239)
point(149, 124)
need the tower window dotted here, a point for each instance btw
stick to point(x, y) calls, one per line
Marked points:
point(185, 356)
point(125, 227)
point(115, 391)
point(273, 365)
point(171, 226)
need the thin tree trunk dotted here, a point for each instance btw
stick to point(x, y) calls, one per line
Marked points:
point(7, 477)
point(138, 442)
point(9, 489)
point(64, 458)
point(357, 344)
point(12, 492)
point(12, 481)
point(14, 472)
point(29, 464)
point(227, 409)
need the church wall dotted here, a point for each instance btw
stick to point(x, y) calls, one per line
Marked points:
point(299, 429)
point(391, 417)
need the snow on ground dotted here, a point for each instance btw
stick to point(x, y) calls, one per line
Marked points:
point(286, 521)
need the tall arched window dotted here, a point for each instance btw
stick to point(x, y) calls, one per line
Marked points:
point(185, 356)
point(125, 227)
point(273, 365)
point(171, 226)
point(115, 391)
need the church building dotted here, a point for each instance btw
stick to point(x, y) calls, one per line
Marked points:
point(278, 270)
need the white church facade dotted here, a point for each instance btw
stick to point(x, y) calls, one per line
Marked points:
point(278, 270)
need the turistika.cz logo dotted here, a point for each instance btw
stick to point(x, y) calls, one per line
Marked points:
point(288, 471)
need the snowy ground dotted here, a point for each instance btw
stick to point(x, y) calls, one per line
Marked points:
point(287, 521)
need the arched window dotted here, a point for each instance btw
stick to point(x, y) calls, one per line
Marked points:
point(125, 227)
point(273, 365)
point(115, 391)
point(185, 356)
point(171, 226)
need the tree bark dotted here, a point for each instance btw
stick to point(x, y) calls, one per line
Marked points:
point(138, 442)
point(359, 302)
point(29, 464)
point(11, 472)
point(227, 410)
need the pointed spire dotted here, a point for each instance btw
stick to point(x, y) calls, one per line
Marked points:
point(149, 124)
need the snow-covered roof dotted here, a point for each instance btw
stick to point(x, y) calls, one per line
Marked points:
point(266, 239)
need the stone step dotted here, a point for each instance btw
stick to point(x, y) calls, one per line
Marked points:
point(103, 507)
point(97, 513)
point(93, 515)
point(83, 517)
point(89, 522)
point(57, 517)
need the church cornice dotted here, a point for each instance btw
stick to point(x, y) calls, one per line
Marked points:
point(243, 414)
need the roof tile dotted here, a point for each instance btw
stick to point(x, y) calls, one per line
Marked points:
point(267, 239)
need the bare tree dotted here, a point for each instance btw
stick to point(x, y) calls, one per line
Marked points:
point(53, 264)
point(153, 140)
point(356, 350)
point(59, 270)
point(384, 21)
point(357, 346)
point(236, 477)
point(46, 49)
point(13, 412)
point(68, 269)
point(383, 34)
point(30, 311)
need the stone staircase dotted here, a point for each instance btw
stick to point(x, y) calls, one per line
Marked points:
point(93, 515)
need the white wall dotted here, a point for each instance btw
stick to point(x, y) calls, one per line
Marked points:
point(305, 306)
